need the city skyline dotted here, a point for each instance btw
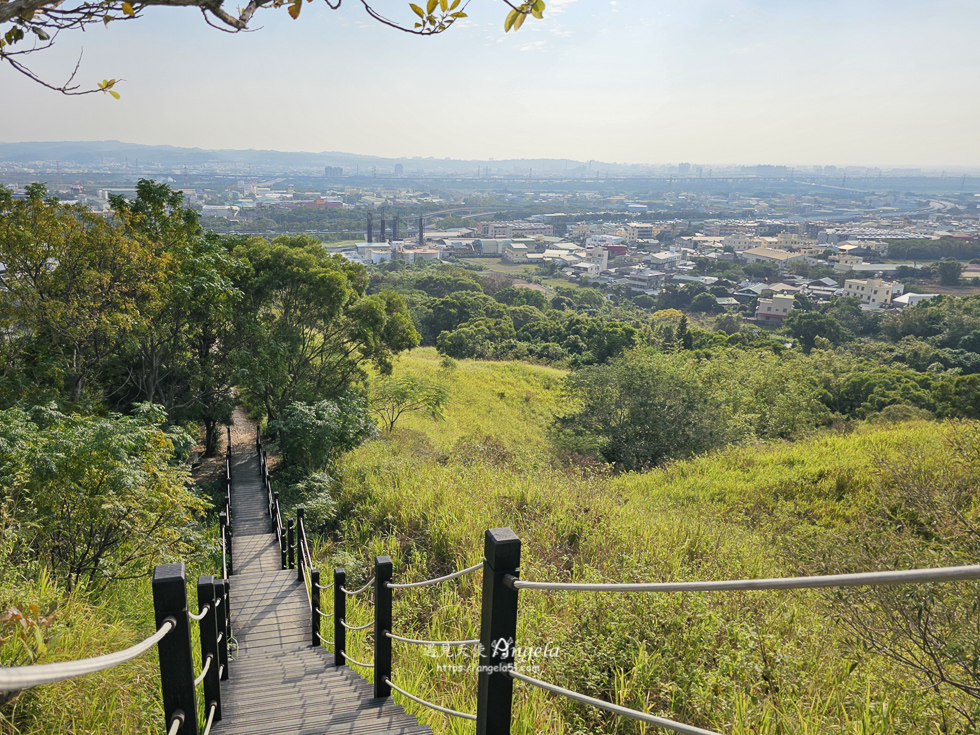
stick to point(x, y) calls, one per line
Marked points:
point(753, 82)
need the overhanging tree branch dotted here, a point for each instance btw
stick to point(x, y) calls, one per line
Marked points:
point(44, 19)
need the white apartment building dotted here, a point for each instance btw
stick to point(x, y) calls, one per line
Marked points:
point(641, 231)
point(740, 241)
point(789, 241)
point(774, 309)
point(873, 292)
point(599, 256)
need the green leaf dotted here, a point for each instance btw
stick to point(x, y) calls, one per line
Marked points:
point(454, 5)
point(114, 94)
point(511, 17)
point(418, 10)
point(460, 14)
point(41, 34)
point(444, 5)
point(431, 6)
point(128, 10)
point(295, 8)
point(519, 21)
point(537, 9)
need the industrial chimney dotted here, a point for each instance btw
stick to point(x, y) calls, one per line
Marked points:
point(370, 229)
point(421, 232)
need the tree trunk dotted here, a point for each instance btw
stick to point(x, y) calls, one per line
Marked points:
point(210, 437)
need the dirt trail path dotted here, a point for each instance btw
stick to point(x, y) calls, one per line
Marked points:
point(211, 469)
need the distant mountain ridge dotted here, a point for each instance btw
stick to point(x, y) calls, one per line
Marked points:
point(93, 153)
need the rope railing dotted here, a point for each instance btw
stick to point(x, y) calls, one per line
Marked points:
point(473, 642)
point(15, 678)
point(356, 627)
point(355, 661)
point(204, 670)
point(329, 643)
point(211, 710)
point(903, 576)
point(323, 614)
point(358, 591)
point(324, 586)
point(437, 580)
point(430, 705)
point(200, 616)
point(175, 724)
point(615, 708)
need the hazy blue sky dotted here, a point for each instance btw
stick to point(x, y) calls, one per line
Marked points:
point(875, 82)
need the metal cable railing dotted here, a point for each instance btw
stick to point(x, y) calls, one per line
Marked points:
point(358, 591)
point(430, 705)
point(437, 580)
point(329, 643)
point(473, 642)
point(615, 708)
point(904, 576)
point(15, 678)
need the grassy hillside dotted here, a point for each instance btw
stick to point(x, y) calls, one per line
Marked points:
point(737, 662)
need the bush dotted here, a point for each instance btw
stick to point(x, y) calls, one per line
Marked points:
point(313, 436)
point(95, 497)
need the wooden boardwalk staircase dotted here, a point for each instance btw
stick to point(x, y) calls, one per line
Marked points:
point(278, 682)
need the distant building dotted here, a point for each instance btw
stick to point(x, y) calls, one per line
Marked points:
point(911, 299)
point(740, 242)
point(641, 231)
point(515, 252)
point(333, 172)
point(497, 230)
point(775, 309)
point(646, 279)
point(873, 292)
point(599, 256)
point(399, 169)
point(221, 211)
point(781, 258)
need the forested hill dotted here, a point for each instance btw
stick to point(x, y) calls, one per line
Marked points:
point(94, 153)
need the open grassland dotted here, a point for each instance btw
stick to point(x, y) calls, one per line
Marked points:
point(734, 662)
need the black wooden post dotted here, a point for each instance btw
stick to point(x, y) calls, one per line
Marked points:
point(207, 597)
point(382, 625)
point(498, 632)
point(315, 599)
point(291, 545)
point(339, 614)
point(228, 434)
point(258, 438)
point(224, 625)
point(225, 542)
point(301, 541)
point(176, 661)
